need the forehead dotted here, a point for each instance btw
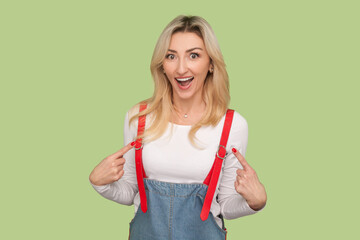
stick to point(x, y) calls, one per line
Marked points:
point(185, 40)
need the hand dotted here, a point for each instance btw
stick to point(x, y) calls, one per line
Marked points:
point(248, 185)
point(111, 168)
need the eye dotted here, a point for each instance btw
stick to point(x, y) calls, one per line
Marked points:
point(194, 55)
point(170, 56)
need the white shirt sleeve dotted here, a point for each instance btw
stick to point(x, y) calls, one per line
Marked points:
point(232, 204)
point(124, 190)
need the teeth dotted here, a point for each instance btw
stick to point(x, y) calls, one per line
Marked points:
point(183, 79)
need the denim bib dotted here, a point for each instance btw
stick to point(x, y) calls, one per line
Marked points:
point(174, 213)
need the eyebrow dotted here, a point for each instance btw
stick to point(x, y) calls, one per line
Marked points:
point(189, 50)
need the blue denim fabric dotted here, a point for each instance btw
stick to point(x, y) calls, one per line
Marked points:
point(174, 214)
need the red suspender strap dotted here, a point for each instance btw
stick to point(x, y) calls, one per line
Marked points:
point(213, 176)
point(140, 173)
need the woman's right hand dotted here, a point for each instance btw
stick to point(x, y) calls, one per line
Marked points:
point(111, 168)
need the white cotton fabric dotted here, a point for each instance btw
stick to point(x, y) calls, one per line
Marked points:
point(172, 158)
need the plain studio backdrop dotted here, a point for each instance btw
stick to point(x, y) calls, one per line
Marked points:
point(70, 70)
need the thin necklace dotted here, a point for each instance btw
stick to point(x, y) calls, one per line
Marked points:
point(185, 115)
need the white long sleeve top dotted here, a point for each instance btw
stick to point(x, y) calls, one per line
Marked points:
point(172, 158)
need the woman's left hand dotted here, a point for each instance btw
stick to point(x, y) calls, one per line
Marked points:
point(248, 185)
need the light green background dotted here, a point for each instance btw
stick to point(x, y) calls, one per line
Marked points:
point(70, 70)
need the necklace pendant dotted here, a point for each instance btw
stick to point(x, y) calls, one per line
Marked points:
point(185, 116)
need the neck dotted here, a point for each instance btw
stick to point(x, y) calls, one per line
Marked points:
point(192, 107)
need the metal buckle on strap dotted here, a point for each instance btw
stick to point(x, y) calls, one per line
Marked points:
point(217, 153)
point(139, 147)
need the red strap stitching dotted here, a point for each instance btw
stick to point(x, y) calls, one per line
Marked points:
point(215, 170)
point(140, 172)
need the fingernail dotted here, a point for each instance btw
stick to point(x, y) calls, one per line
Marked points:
point(234, 150)
point(133, 143)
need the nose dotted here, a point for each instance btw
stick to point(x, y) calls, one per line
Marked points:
point(182, 66)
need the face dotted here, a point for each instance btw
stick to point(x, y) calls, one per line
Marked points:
point(186, 65)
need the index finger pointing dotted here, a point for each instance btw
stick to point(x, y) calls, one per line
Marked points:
point(241, 159)
point(122, 151)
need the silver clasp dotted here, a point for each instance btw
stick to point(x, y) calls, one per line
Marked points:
point(142, 145)
point(217, 153)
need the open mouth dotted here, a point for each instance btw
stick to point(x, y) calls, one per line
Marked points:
point(184, 81)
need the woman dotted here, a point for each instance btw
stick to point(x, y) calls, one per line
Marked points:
point(186, 171)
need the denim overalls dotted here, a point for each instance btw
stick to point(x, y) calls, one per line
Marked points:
point(176, 211)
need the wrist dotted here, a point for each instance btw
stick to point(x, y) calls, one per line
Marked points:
point(256, 206)
point(93, 181)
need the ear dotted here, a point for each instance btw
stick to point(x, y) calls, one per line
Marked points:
point(211, 68)
point(211, 65)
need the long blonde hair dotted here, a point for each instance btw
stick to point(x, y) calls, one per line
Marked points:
point(216, 86)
